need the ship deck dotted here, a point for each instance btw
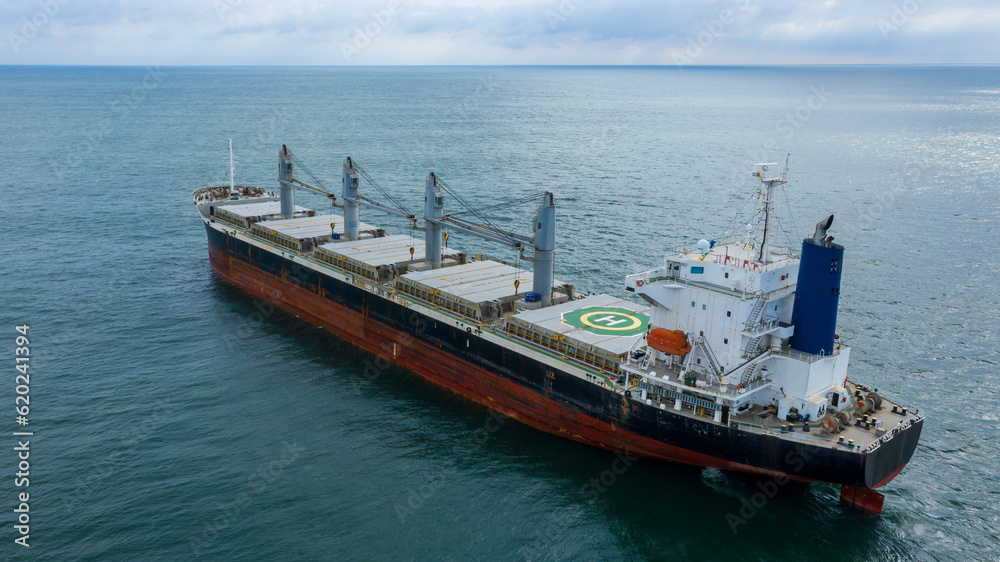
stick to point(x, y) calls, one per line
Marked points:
point(755, 420)
point(762, 420)
point(758, 418)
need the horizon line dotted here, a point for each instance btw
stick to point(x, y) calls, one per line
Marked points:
point(540, 65)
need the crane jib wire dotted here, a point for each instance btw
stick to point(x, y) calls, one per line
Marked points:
point(304, 168)
point(486, 223)
point(504, 204)
point(385, 193)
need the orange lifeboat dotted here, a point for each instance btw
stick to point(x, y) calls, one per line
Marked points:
point(668, 341)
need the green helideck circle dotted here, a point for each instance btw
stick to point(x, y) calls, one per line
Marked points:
point(607, 320)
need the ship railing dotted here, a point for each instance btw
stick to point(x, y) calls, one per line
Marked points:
point(699, 285)
point(780, 253)
point(807, 357)
point(735, 261)
point(874, 445)
point(645, 277)
point(751, 387)
point(871, 448)
point(770, 324)
point(740, 424)
point(904, 425)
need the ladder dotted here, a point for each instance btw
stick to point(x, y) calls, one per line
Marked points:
point(756, 315)
point(753, 347)
point(712, 361)
point(749, 373)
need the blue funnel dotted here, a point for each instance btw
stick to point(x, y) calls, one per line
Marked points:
point(817, 294)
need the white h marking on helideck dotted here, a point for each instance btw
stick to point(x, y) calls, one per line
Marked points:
point(610, 320)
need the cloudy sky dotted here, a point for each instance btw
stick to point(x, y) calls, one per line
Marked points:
point(300, 32)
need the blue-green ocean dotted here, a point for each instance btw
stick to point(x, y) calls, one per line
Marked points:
point(176, 418)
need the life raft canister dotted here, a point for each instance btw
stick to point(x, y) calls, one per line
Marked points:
point(673, 342)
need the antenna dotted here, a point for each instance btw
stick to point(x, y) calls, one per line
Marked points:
point(769, 183)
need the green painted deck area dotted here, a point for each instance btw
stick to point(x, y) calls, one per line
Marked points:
point(607, 320)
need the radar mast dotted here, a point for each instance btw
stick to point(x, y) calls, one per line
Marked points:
point(769, 183)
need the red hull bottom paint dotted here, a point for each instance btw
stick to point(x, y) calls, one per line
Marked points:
point(461, 377)
point(889, 478)
point(864, 498)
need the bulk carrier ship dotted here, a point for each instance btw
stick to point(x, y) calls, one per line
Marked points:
point(732, 361)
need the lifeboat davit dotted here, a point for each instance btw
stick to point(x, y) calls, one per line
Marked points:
point(673, 342)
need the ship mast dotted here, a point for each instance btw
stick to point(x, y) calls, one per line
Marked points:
point(769, 183)
point(232, 173)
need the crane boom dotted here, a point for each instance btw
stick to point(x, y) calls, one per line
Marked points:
point(313, 188)
point(486, 232)
point(353, 200)
point(542, 239)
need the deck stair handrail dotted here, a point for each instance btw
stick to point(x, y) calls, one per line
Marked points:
point(756, 315)
point(713, 362)
point(753, 347)
point(749, 373)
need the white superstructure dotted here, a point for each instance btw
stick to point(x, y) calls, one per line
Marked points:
point(734, 303)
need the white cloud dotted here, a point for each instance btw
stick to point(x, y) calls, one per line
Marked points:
point(498, 32)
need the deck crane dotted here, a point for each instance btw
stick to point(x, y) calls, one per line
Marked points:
point(287, 182)
point(352, 199)
point(435, 221)
point(542, 240)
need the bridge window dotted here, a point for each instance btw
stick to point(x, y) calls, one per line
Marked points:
point(693, 304)
point(704, 307)
point(729, 313)
point(697, 270)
